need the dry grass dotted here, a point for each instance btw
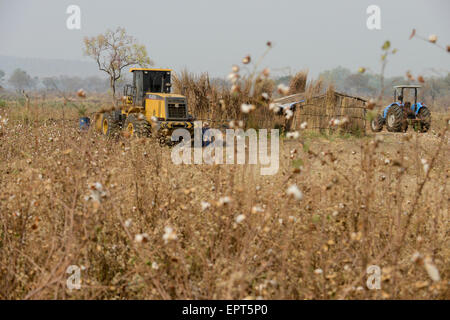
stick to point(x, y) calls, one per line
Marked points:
point(216, 101)
point(366, 201)
point(298, 82)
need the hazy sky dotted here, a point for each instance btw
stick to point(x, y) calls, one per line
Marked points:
point(210, 35)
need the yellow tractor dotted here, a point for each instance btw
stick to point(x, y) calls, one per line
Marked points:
point(149, 109)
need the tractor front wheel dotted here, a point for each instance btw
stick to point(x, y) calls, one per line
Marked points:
point(110, 125)
point(377, 123)
point(137, 127)
point(395, 121)
point(424, 116)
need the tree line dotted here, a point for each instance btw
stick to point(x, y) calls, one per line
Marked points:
point(341, 78)
point(20, 80)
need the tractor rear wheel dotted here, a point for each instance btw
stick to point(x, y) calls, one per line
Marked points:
point(424, 116)
point(394, 119)
point(377, 123)
point(137, 127)
point(110, 124)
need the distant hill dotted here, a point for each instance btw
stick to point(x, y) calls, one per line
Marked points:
point(49, 67)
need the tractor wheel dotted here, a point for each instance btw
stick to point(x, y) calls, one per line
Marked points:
point(137, 127)
point(377, 123)
point(394, 119)
point(424, 116)
point(110, 125)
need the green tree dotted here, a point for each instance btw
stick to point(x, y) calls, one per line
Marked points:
point(113, 51)
point(20, 80)
point(335, 76)
point(2, 76)
point(50, 83)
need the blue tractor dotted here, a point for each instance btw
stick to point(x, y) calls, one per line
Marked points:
point(403, 112)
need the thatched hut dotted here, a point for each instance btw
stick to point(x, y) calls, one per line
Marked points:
point(321, 111)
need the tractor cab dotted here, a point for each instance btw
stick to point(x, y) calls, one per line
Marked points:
point(147, 81)
point(406, 95)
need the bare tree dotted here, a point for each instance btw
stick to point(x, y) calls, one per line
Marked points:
point(113, 51)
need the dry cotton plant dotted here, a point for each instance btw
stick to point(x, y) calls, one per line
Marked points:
point(140, 227)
